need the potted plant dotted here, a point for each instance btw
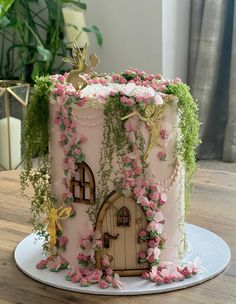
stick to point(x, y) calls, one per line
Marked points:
point(32, 37)
point(31, 44)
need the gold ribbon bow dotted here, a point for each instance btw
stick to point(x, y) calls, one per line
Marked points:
point(52, 222)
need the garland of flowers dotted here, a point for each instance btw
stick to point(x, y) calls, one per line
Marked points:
point(70, 139)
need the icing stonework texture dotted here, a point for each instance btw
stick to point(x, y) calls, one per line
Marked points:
point(117, 179)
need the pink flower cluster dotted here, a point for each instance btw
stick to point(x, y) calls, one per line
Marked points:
point(98, 80)
point(53, 263)
point(62, 242)
point(64, 90)
point(92, 241)
point(172, 272)
point(89, 245)
point(70, 141)
point(86, 259)
point(148, 196)
point(141, 78)
point(86, 277)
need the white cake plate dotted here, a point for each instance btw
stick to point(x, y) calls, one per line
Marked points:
point(212, 250)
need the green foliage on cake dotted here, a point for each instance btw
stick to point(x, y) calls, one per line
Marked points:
point(35, 141)
point(189, 136)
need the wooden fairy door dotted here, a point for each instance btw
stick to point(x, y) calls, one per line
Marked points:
point(119, 221)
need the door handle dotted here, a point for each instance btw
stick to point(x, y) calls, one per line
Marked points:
point(106, 239)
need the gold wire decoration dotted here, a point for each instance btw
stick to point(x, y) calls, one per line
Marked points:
point(80, 65)
point(152, 117)
point(8, 90)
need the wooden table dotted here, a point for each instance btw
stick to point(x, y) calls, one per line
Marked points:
point(213, 207)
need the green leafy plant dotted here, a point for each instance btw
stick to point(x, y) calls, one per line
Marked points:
point(31, 34)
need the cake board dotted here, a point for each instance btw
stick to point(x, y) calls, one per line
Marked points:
point(209, 247)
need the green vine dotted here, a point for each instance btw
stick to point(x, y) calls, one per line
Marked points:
point(114, 143)
point(35, 141)
point(189, 137)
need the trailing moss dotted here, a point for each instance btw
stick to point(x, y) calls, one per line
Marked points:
point(189, 136)
point(35, 131)
point(35, 142)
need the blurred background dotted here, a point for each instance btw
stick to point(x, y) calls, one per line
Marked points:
point(192, 39)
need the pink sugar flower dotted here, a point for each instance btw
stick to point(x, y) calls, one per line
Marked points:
point(84, 282)
point(145, 275)
point(109, 271)
point(61, 78)
point(154, 196)
point(103, 284)
point(139, 191)
point(123, 99)
point(76, 277)
point(95, 276)
point(142, 255)
point(112, 93)
point(152, 244)
point(66, 121)
point(143, 201)
point(159, 280)
point(168, 279)
point(63, 240)
point(109, 279)
point(156, 225)
point(152, 205)
point(63, 139)
point(162, 198)
point(83, 138)
point(42, 264)
point(186, 271)
point(161, 155)
point(138, 170)
point(71, 163)
point(177, 276)
point(150, 213)
point(77, 151)
point(142, 234)
point(155, 252)
point(105, 260)
point(164, 134)
point(54, 263)
point(139, 98)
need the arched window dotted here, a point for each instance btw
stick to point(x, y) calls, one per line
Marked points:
point(83, 185)
point(123, 217)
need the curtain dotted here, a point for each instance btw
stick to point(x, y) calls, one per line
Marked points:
point(212, 75)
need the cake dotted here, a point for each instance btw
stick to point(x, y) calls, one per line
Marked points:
point(110, 197)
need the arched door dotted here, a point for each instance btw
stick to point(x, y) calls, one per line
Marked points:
point(120, 219)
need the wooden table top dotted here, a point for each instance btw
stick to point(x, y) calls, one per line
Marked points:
point(213, 206)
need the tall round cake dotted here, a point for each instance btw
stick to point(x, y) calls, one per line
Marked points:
point(121, 154)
